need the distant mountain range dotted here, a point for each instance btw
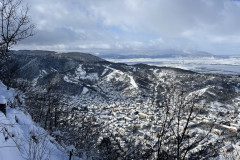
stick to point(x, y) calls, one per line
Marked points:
point(85, 57)
point(170, 53)
point(159, 54)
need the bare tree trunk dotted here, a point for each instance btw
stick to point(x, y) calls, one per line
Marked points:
point(70, 155)
point(46, 119)
point(8, 74)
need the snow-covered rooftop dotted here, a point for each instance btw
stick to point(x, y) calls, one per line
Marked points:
point(2, 100)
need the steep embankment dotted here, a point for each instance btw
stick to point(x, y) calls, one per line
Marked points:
point(21, 138)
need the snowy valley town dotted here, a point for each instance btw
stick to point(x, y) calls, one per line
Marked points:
point(91, 80)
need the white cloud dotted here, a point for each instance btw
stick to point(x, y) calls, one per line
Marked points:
point(135, 24)
point(95, 46)
point(155, 42)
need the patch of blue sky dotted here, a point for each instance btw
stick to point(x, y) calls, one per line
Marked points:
point(132, 34)
point(116, 29)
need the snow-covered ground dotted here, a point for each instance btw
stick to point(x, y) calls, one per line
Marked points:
point(121, 76)
point(21, 138)
point(204, 65)
point(80, 73)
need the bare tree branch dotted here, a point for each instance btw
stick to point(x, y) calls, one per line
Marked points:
point(15, 26)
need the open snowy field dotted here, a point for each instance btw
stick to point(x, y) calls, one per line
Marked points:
point(203, 65)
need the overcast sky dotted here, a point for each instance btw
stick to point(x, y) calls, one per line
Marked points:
point(135, 26)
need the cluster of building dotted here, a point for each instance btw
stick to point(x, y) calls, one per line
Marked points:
point(133, 122)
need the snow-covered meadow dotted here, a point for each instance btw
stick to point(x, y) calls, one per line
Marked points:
point(230, 65)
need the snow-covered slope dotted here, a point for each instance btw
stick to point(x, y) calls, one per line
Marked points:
point(21, 138)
